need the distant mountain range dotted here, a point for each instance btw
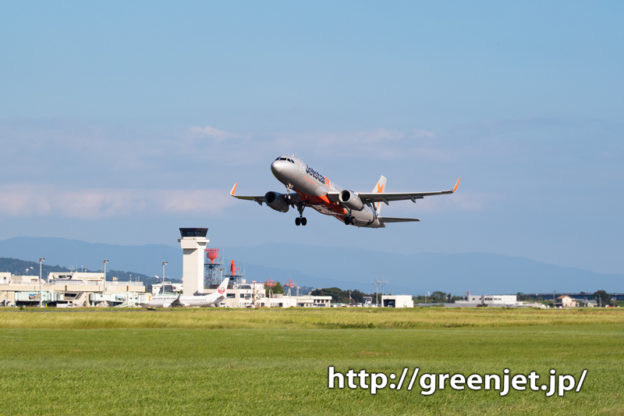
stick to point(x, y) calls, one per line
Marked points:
point(347, 268)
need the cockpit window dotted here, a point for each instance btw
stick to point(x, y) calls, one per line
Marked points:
point(286, 159)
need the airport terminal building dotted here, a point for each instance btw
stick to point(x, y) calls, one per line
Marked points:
point(89, 289)
point(69, 289)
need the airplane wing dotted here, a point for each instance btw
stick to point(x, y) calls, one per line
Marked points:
point(160, 303)
point(386, 197)
point(258, 199)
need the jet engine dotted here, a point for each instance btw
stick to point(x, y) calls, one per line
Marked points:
point(351, 200)
point(277, 201)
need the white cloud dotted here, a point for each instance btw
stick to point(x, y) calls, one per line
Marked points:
point(36, 200)
point(180, 201)
point(210, 132)
point(378, 143)
point(15, 200)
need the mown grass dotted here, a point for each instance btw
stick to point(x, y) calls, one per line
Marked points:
point(235, 362)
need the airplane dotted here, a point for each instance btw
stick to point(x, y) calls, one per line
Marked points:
point(172, 300)
point(311, 189)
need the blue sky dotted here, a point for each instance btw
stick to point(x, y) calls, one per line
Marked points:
point(121, 122)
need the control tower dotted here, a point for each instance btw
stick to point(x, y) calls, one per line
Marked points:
point(193, 242)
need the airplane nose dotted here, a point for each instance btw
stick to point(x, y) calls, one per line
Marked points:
point(278, 167)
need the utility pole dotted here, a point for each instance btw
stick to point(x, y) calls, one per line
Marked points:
point(376, 293)
point(382, 282)
point(554, 298)
point(164, 263)
point(105, 261)
point(41, 260)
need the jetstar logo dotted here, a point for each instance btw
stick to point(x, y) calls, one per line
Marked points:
point(315, 174)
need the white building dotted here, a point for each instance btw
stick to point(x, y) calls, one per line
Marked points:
point(170, 287)
point(281, 301)
point(397, 301)
point(252, 295)
point(243, 295)
point(67, 289)
point(566, 301)
point(490, 300)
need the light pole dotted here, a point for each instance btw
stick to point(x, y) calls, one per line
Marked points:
point(376, 293)
point(41, 260)
point(164, 263)
point(105, 263)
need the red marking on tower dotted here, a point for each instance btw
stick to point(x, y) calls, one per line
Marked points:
point(290, 285)
point(233, 268)
point(212, 254)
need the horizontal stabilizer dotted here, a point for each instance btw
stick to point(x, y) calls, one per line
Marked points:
point(392, 219)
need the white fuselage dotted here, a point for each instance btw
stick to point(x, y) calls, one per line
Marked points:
point(170, 300)
point(313, 188)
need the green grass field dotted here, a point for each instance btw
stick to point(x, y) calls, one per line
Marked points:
point(233, 362)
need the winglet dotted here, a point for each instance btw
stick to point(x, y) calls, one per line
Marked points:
point(454, 189)
point(233, 189)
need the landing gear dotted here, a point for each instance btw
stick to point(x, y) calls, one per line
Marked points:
point(301, 220)
point(348, 219)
